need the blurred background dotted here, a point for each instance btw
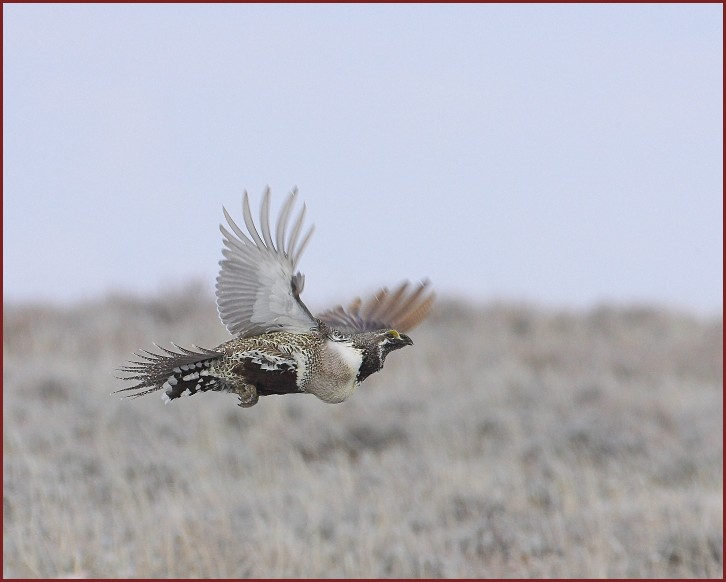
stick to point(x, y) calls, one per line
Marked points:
point(565, 155)
point(556, 171)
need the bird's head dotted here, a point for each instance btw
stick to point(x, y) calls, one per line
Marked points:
point(392, 340)
point(376, 345)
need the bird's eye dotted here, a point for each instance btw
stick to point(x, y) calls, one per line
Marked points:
point(393, 334)
point(337, 336)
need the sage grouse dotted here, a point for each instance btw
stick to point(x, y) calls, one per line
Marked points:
point(280, 347)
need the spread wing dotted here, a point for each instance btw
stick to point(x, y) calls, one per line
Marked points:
point(257, 291)
point(401, 309)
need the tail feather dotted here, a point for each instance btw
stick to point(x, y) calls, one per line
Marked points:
point(178, 374)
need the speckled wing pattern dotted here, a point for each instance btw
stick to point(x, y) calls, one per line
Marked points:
point(401, 309)
point(258, 290)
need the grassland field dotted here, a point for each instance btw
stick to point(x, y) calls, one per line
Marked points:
point(510, 441)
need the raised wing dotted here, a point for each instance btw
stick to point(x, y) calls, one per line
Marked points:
point(257, 291)
point(401, 309)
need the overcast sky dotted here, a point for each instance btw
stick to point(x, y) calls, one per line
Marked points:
point(564, 155)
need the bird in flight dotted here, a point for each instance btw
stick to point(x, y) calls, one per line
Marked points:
point(280, 347)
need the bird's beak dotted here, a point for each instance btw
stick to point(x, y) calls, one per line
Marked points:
point(405, 340)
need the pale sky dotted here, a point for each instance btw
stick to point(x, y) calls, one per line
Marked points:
point(563, 155)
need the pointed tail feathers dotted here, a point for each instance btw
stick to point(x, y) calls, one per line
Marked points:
point(177, 374)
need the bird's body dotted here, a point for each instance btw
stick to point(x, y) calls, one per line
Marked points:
point(281, 347)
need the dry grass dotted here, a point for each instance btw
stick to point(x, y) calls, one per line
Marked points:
point(510, 441)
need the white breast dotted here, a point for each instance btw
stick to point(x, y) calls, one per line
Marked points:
point(335, 379)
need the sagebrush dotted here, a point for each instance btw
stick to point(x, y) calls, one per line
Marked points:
point(509, 441)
